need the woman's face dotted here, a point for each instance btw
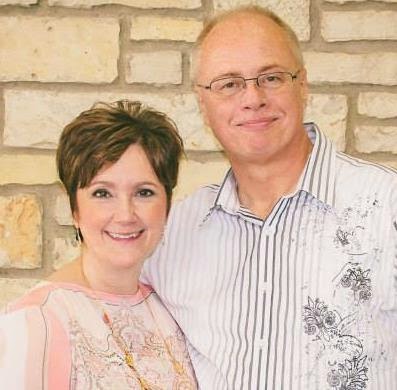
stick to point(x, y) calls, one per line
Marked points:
point(122, 212)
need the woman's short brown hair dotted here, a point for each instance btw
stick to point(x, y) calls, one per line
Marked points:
point(102, 134)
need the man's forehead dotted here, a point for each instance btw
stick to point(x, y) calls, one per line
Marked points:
point(244, 23)
point(238, 42)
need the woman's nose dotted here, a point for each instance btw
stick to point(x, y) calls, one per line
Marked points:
point(125, 210)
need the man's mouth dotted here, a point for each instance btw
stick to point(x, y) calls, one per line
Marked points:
point(258, 122)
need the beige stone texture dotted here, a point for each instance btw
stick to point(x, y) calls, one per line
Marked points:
point(358, 1)
point(65, 250)
point(329, 113)
point(295, 12)
point(369, 139)
point(18, 2)
point(20, 231)
point(165, 28)
point(46, 113)
point(62, 214)
point(378, 104)
point(148, 4)
point(352, 68)
point(11, 289)
point(27, 169)
point(73, 49)
point(390, 163)
point(354, 25)
point(161, 67)
point(194, 174)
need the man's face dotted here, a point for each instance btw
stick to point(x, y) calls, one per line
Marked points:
point(254, 125)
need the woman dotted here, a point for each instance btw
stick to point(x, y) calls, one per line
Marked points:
point(92, 325)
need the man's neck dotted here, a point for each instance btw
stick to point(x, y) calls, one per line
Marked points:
point(261, 185)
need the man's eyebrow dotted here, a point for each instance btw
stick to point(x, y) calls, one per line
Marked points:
point(271, 68)
point(226, 75)
point(263, 69)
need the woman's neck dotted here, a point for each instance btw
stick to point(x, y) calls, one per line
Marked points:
point(84, 273)
point(107, 280)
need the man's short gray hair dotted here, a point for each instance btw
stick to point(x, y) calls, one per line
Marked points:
point(247, 9)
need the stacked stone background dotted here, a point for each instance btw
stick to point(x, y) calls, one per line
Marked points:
point(58, 57)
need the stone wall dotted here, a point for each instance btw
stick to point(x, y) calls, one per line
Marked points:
point(57, 57)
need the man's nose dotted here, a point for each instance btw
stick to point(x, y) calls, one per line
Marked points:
point(253, 97)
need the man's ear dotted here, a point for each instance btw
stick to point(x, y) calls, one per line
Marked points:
point(304, 88)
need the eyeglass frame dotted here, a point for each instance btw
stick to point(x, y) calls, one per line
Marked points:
point(208, 87)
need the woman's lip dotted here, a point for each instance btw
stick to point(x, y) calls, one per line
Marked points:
point(125, 236)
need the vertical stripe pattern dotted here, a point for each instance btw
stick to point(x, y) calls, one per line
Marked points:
point(244, 290)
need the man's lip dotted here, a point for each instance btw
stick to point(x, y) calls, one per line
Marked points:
point(257, 122)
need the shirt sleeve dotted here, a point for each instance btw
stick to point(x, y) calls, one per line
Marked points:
point(30, 351)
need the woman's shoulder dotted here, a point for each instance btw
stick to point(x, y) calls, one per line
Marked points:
point(46, 296)
point(34, 297)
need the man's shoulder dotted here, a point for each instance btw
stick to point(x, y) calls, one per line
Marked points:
point(358, 177)
point(363, 168)
point(201, 200)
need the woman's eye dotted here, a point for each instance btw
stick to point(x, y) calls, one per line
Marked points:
point(145, 193)
point(101, 194)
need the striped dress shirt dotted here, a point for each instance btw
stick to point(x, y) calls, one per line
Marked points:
point(302, 300)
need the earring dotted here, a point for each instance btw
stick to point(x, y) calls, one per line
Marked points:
point(78, 235)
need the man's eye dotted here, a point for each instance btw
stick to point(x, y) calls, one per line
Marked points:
point(145, 193)
point(101, 193)
point(231, 84)
point(272, 78)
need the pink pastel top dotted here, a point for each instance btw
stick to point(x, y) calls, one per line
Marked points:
point(55, 338)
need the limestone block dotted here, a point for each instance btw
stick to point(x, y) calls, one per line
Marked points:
point(329, 113)
point(195, 174)
point(390, 163)
point(378, 104)
point(65, 250)
point(20, 231)
point(46, 112)
point(161, 67)
point(349, 1)
point(165, 28)
point(295, 12)
point(63, 215)
point(347, 26)
point(370, 139)
point(18, 2)
point(73, 49)
point(370, 68)
point(11, 289)
point(182, 4)
point(27, 169)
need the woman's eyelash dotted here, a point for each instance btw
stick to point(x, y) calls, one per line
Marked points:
point(101, 193)
point(145, 192)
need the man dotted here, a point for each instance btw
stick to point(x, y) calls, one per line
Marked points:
point(282, 277)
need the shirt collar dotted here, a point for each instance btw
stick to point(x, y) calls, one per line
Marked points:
point(317, 178)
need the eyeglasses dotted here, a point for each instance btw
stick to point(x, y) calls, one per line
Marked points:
point(229, 86)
